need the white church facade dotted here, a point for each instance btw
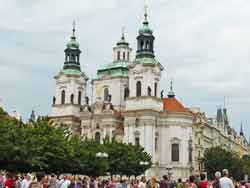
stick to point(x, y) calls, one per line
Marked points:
point(127, 103)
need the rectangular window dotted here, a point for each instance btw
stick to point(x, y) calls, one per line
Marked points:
point(175, 152)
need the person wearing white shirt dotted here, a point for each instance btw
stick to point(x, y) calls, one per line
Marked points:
point(226, 182)
point(64, 183)
point(26, 181)
point(142, 183)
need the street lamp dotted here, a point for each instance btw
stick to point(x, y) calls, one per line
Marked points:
point(144, 163)
point(102, 155)
point(102, 167)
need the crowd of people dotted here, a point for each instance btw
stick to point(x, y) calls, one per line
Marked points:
point(42, 180)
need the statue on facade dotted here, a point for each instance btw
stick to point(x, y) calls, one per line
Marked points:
point(162, 94)
point(87, 100)
point(149, 91)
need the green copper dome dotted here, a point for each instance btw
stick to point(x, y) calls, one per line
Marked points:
point(145, 29)
point(73, 44)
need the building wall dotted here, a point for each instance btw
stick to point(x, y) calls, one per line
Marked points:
point(116, 86)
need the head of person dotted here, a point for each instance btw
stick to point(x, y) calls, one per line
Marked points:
point(40, 176)
point(203, 176)
point(179, 180)
point(28, 177)
point(225, 172)
point(217, 175)
point(165, 177)
point(191, 179)
point(153, 179)
point(143, 179)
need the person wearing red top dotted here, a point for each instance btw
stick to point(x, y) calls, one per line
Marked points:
point(8, 182)
point(203, 183)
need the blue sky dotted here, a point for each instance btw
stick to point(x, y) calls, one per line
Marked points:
point(203, 45)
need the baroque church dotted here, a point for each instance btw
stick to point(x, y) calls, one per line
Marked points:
point(127, 103)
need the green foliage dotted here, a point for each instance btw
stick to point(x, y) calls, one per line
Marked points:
point(125, 159)
point(217, 159)
point(39, 146)
point(246, 164)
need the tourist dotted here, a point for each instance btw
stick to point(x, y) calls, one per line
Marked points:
point(135, 183)
point(179, 184)
point(191, 183)
point(226, 182)
point(52, 181)
point(216, 182)
point(85, 182)
point(164, 182)
point(26, 181)
point(143, 183)
point(9, 181)
point(78, 182)
point(203, 182)
point(64, 183)
point(2, 180)
point(247, 184)
point(16, 182)
point(92, 183)
point(197, 179)
point(153, 183)
point(39, 180)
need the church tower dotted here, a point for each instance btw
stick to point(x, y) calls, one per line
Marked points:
point(145, 73)
point(71, 85)
point(111, 84)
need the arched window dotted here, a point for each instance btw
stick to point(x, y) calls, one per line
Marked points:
point(54, 100)
point(106, 94)
point(147, 45)
point(98, 137)
point(63, 97)
point(118, 55)
point(155, 89)
point(124, 55)
point(141, 45)
point(175, 152)
point(149, 91)
point(79, 97)
point(127, 56)
point(137, 141)
point(126, 93)
point(72, 98)
point(138, 88)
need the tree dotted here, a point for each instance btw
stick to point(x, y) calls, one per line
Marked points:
point(41, 146)
point(125, 159)
point(217, 159)
point(246, 164)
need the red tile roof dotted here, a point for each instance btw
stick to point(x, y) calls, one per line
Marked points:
point(172, 104)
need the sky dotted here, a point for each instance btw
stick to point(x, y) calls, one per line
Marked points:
point(204, 46)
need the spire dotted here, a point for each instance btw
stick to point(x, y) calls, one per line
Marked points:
point(123, 30)
point(32, 116)
point(73, 30)
point(241, 129)
point(72, 54)
point(171, 92)
point(145, 12)
point(145, 39)
point(73, 44)
point(219, 116)
point(122, 41)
